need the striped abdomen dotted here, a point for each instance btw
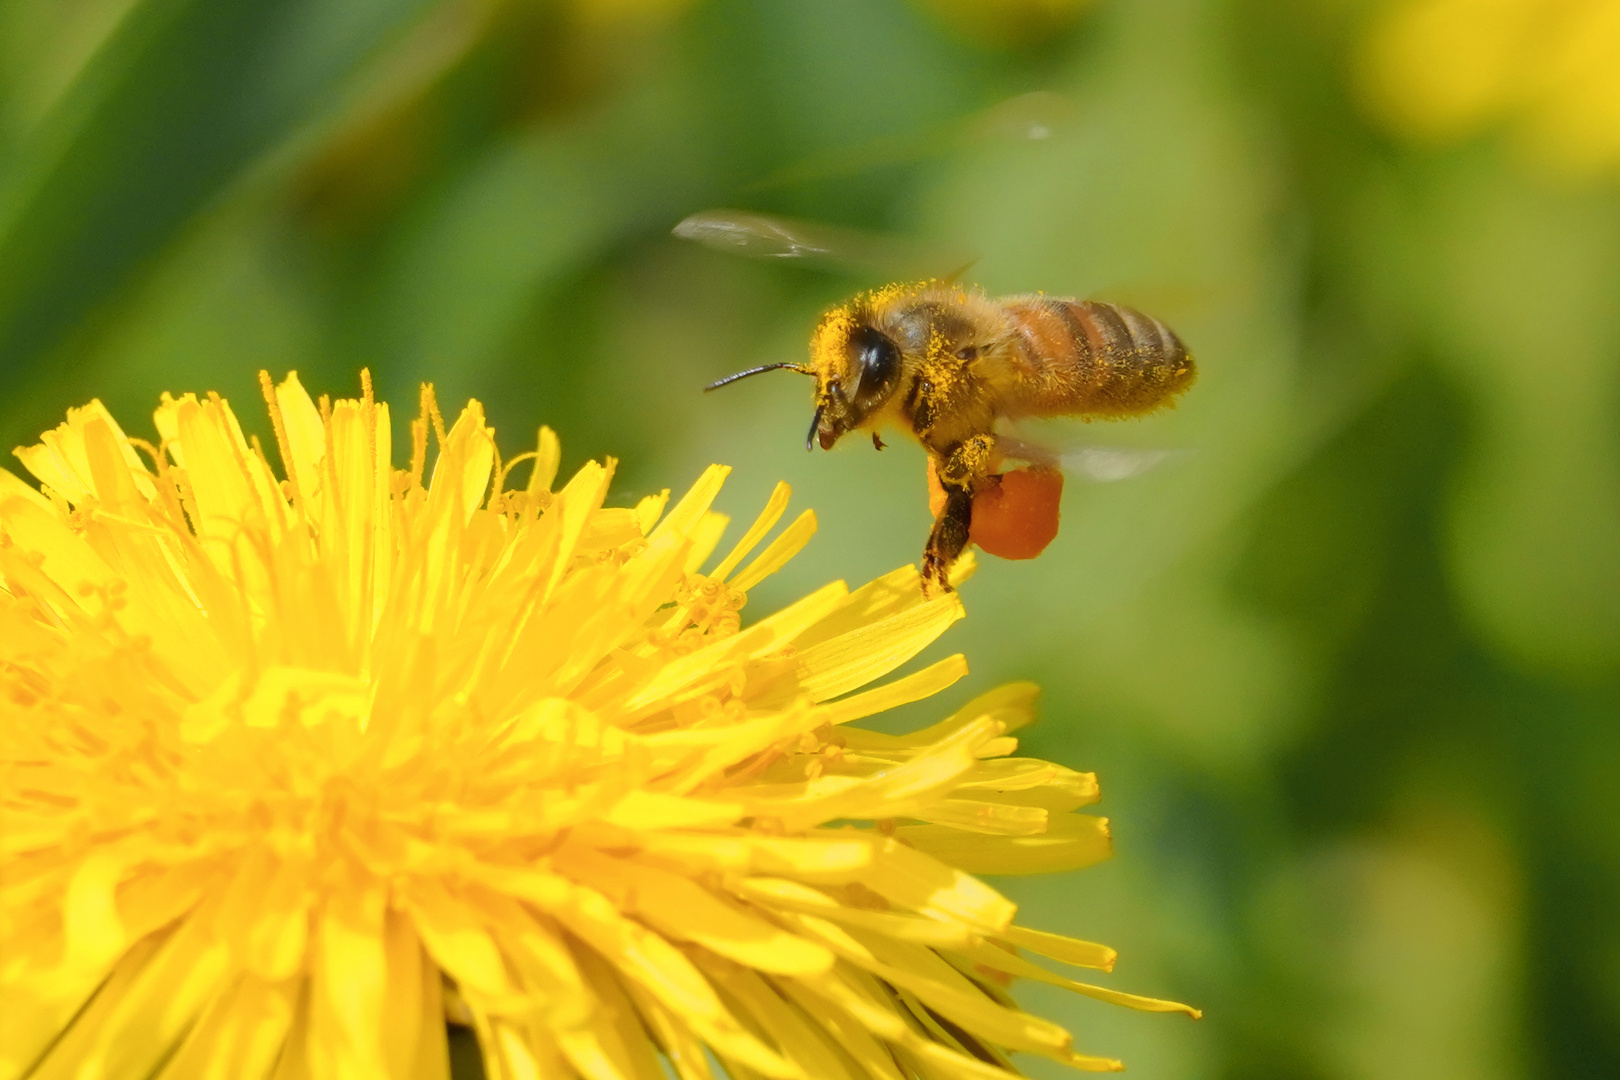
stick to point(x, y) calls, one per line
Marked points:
point(1095, 359)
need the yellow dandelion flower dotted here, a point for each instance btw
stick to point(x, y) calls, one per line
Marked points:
point(294, 768)
point(1441, 70)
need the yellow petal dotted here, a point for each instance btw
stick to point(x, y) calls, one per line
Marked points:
point(1011, 705)
point(94, 933)
point(890, 594)
point(774, 506)
point(306, 437)
point(685, 911)
point(649, 509)
point(457, 940)
point(1067, 949)
point(793, 896)
point(776, 555)
point(61, 459)
point(349, 988)
point(801, 1041)
point(993, 819)
point(693, 505)
point(681, 1049)
point(833, 858)
point(647, 959)
point(242, 1034)
point(914, 687)
point(616, 1048)
point(31, 1021)
point(231, 488)
point(849, 1021)
point(183, 977)
point(412, 1005)
point(1000, 960)
point(855, 658)
point(945, 990)
point(918, 883)
point(641, 809)
point(1071, 841)
point(609, 528)
point(63, 568)
point(546, 460)
point(465, 461)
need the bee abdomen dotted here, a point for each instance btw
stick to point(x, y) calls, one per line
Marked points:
point(1103, 359)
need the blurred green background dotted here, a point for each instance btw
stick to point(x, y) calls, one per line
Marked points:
point(1349, 669)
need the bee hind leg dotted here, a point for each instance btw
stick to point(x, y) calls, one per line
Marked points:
point(969, 460)
point(947, 541)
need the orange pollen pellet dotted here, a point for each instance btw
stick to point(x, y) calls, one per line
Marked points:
point(1015, 515)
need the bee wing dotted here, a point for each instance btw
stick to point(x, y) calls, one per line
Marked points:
point(1093, 463)
point(1025, 118)
point(1110, 464)
point(762, 236)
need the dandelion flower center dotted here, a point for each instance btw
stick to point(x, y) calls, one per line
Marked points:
point(298, 763)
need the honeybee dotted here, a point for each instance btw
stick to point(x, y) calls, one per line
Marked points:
point(945, 363)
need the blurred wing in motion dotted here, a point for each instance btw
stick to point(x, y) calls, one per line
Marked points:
point(744, 233)
point(1110, 464)
point(1025, 118)
point(760, 236)
point(1095, 464)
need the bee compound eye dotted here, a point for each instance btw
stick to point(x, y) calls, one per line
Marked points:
point(878, 360)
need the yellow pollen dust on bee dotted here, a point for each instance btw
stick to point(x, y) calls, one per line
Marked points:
point(827, 352)
point(886, 294)
point(941, 367)
point(829, 343)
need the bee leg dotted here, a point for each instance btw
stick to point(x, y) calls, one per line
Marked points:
point(946, 542)
point(970, 461)
point(877, 443)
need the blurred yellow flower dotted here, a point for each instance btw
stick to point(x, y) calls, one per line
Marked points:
point(1442, 70)
point(295, 768)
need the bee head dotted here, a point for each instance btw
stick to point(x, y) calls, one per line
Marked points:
point(857, 369)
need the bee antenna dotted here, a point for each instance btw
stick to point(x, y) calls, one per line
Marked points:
point(815, 423)
point(718, 383)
